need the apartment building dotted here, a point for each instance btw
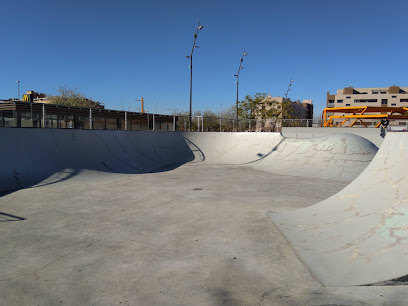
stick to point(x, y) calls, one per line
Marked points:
point(393, 96)
point(388, 100)
point(300, 110)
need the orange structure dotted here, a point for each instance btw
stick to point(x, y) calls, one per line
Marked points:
point(358, 113)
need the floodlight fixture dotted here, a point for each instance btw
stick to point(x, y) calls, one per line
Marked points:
point(289, 88)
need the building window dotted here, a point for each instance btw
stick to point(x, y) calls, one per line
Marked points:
point(339, 101)
point(393, 104)
point(375, 92)
point(384, 101)
point(348, 97)
point(383, 92)
point(347, 104)
point(393, 96)
point(365, 100)
point(403, 100)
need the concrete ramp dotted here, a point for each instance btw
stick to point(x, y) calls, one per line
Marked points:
point(338, 156)
point(31, 156)
point(360, 235)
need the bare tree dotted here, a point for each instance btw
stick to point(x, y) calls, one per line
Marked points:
point(73, 97)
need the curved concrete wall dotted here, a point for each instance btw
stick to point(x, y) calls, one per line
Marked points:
point(371, 134)
point(29, 156)
point(339, 156)
point(358, 236)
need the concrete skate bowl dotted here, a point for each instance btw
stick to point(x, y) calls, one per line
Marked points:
point(358, 236)
point(337, 157)
point(45, 156)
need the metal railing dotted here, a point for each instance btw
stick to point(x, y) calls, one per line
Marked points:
point(93, 120)
point(217, 124)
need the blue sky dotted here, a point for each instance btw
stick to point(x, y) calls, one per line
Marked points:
point(133, 49)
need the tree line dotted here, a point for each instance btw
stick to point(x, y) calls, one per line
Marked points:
point(258, 106)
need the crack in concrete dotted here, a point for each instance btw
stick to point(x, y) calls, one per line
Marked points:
point(48, 264)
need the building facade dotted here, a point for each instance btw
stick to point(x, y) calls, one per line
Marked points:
point(22, 114)
point(393, 96)
point(384, 98)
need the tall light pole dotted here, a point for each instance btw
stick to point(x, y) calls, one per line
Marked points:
point(199, 27)
point(18, 89)
point(289, 89)
point(237, 82)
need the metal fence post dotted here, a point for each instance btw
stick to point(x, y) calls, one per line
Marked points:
point(125, 121)
point(90, 118)
point(153, 123)
point(43, 116)
point(174, 123)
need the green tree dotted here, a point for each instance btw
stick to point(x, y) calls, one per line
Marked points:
point(262, 106)
point(252, 106)
point(211, 121)
point(73, 97)
point(279, 110)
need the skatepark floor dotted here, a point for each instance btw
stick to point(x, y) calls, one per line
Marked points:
point(195, 235)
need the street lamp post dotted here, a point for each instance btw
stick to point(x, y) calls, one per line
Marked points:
point(18, 89)
point(237, 82)
point(199, 27)
point(289, 89)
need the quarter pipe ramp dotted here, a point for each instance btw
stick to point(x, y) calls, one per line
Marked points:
point(358, 236)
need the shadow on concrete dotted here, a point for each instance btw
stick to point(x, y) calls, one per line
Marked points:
point(197, 150)
point(46, 157)
point(263, 156)
point(9, 218)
